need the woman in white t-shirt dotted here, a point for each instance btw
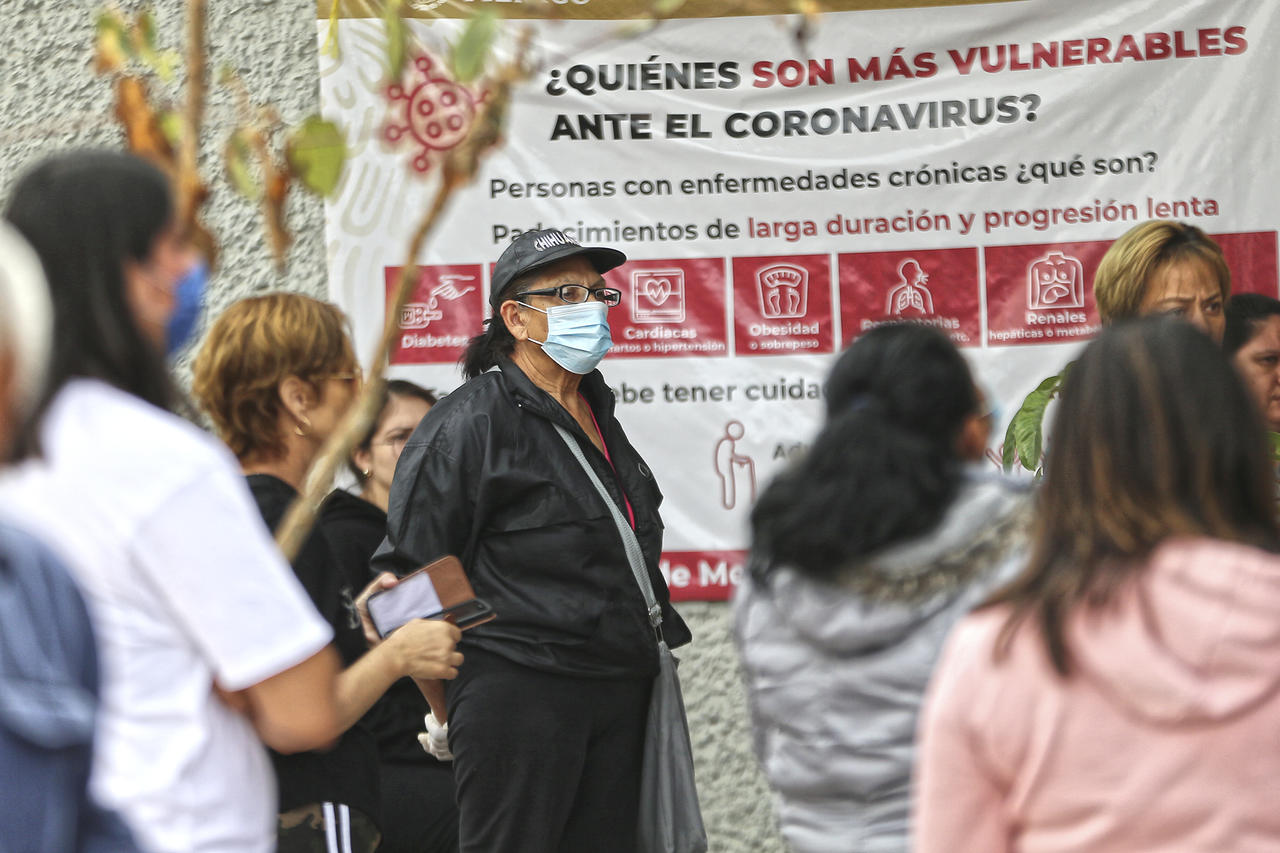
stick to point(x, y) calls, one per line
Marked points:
point(207, 641)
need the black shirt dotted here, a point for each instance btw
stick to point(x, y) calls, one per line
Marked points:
point(347, 773)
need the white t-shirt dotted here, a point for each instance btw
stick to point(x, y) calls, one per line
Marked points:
point(184, 586)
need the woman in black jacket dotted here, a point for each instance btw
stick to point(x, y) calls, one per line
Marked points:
point(276, 373)
point(419, 814)
point(547, 717)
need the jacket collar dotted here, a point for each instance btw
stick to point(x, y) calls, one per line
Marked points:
point(598, 394)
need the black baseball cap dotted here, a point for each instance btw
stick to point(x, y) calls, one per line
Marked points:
point(534, 249)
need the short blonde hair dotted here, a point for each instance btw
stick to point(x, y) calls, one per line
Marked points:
point(254, 345)
point(1126, 269)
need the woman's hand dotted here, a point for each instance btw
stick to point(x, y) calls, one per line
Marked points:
point(386, 580)
point(426, 649)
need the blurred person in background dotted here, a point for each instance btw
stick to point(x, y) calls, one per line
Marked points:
point(1252, 342)
point(1164, 268)
point(48, 662)
point(357, 521)
point(1121, 694)
point(864, 553)
point(419, 814)
point(276, 373)
point(206, 640)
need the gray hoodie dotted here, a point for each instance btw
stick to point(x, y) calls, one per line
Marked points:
point(835, 672)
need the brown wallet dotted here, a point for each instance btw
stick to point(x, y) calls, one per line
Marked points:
point(438, 590)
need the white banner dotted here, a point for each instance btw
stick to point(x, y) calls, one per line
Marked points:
point(963, 166)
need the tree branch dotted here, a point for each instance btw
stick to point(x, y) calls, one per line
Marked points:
point(459, 169)
point(190, 189)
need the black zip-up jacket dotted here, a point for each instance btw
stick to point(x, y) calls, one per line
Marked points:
point(486, 477)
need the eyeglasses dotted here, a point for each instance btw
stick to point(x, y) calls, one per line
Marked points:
point(576, 293)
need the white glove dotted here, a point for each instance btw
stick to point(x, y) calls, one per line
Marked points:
point(435, 740)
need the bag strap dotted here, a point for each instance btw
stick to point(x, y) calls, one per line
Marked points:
point(629, 542)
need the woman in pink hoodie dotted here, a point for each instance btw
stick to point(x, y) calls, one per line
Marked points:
point(1123, 694)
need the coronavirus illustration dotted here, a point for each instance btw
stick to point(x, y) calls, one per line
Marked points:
point(431, 110)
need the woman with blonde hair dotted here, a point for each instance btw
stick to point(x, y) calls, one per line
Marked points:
point(1156, 268)
point(1122, 692)
point(1161, 267)
point(276, 373)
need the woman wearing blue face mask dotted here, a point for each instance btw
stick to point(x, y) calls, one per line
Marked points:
point(547, 716)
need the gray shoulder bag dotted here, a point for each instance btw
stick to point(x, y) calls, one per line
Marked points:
point(670, 818)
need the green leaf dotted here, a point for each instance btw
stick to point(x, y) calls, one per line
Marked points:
point(1009, 454)
point(165, 63)
point(238, 153)
point(143, 36)
point(114, 46)
point(172, 127)
point(634, 29)
point(1275, 445)
point(471, 51)
point(331, 48)
point(144, 29)
point(316, 151)
point(1025, 435)
point(397, 39)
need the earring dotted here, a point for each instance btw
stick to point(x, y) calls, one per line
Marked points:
point(365, 472)
point(305, 423)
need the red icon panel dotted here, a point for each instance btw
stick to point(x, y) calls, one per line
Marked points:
point(934, 287)
point(670, 308)
point(782, 305)
point(1042, 294)
point(444, 311)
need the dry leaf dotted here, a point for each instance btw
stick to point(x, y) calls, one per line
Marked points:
point(138, 118)
point(278, 236)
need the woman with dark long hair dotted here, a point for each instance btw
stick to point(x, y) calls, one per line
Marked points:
point(419, 812)
point(864, 553)
point(1252, 343)
point(1122, 693)
point(207, 641)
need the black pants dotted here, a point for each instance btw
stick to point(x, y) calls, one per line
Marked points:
point(545, 763)
point(418, 810)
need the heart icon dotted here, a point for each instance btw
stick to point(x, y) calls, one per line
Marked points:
point(657, 290)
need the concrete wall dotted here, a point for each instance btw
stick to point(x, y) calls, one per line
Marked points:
point(51, 100)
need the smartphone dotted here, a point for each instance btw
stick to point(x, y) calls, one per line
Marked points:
point(419, 596)
point(467, 614)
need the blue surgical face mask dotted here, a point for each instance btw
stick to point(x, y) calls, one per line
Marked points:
point(577, 335)
point(189, 296)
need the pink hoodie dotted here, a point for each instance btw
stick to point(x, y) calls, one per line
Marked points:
point(1165, 738)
